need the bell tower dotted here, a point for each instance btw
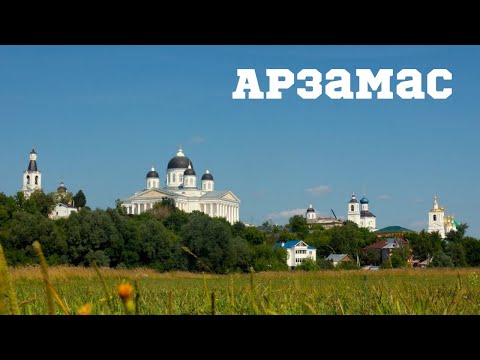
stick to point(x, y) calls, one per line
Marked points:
point(32, 177)
point(353, 212)
point(435, 219)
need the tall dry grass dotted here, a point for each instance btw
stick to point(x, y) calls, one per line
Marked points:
point(76, 290)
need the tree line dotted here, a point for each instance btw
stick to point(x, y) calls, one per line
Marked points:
point(168, 239)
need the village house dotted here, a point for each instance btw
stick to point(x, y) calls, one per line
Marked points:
point(297, 252)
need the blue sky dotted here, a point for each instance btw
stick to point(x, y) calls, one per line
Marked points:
point(101, 116)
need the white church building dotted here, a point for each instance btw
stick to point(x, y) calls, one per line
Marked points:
point(182, 186)
point(437, 221)
point(32, 181)
point(360, 214)
point(327, 222)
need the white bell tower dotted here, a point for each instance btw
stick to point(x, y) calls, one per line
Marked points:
point(32, 177)
point(435, 219)
point(353, 213)
point(310, 214)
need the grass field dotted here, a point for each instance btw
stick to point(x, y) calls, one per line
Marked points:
point(422, 291)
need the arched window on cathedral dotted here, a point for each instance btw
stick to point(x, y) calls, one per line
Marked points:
point(28, 179)
point(352, 208)
point(173, 178)
point(434, 217)
point(36, 180)
point(181, 178)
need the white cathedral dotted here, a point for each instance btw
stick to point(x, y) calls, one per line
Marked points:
point(360, 215)
point(437, 221)
point(181, 186)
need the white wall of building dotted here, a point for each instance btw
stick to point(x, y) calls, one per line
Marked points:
point(297, 254)
point(62, 211)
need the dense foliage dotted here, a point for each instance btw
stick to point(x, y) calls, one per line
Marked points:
point(168, 239)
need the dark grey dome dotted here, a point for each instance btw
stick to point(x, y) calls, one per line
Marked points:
point(32, 165)
point(152, 174)
point(353, 201)
point(207, 176)
point(189, 172)
point(310, 209)
point(180, 161)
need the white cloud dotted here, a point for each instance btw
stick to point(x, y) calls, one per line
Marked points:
point(197, 139)
point(286, 214)
point(317, 190)
point(384, 197)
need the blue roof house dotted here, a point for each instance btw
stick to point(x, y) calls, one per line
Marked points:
point(297, 252)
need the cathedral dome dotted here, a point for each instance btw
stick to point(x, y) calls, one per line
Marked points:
point(310, 209)
point(364, 200)
point(207, 176)
point(189, 171)
point(353, 200)
point(62, 189)
point(180, 161)
point(152, 174)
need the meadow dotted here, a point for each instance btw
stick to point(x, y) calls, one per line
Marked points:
point(359, 292)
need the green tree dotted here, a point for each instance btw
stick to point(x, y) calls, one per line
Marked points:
point(267, 258)
point(27, 228)
point(457, 253)
point(157, 245)
point(89, 232)
point(80, 199)
point(298, 225)
point(350, 239)
point(371, 257)
point(457, 236)
point(242, 254)
point(424, 244)
point(254, 236)
point(40, 202)
point(176, 220)
point(440, 259)
point(7, 208)
point(210, 240)
point(324, 264)
point(472, 250)
point(238, 229)
point(120, 209)
point(320, 239)
point(286, 235)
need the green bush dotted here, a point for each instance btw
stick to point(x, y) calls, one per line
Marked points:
point(308, 265)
